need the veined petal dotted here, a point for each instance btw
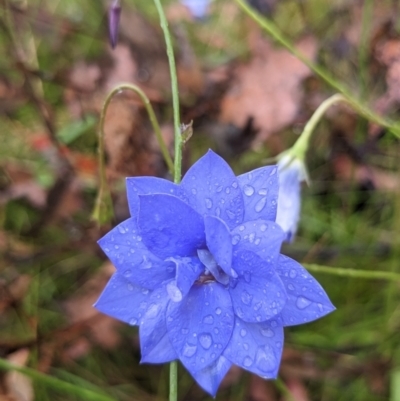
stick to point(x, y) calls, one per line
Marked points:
point(257, 347)
point(187, 272)
point(261, 237)
point(211, 265)
point(213, 189)
point(258, 294)
point(136, 186)
point(219, 242)
point(210, 377)
point(126, 250)
point(169, 226)
point(201, 325)
point(260, 193)
point(307, 300)
point(123, 300)
point(154, 340)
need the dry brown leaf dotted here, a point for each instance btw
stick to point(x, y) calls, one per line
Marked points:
point(18, 386)
point(268, 88)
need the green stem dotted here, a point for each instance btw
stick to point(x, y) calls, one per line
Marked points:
point(173, 381)
point(173, 375)
point(273, 30)
point(343, 272)
point(174, 90)
point(301, 145)
point(103, 207)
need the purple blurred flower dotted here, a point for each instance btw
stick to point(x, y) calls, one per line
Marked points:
point(198, 8)
point(199, 270)
point(291, 173)
point(114, 15)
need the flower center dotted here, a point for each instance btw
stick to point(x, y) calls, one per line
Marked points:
point(212, 272)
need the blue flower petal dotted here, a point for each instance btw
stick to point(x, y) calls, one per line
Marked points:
point(261, 237)
point(126, 250)
point(213, 189)
point(258, 294)
point(219, 242)
point(155, 345)
point(260, 193)
point(136, 186)
point(307, 300)
point(209, 262)
point(210, 377)
point(123, 300)
point(201, 325)
point(187, 272)
point(169, 226)
point(257, 347)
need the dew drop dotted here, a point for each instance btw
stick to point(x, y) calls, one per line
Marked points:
point(194, 191)
point(246, 298)
point(265, 360)
point(235, 239)
point(247, 276)
point(174, 292)
point(219, 189)
point(133, 322)
point(234, 184)
point(292, 273)
point(208, 319)
point(130, 287)
point(218, 212)
point(257, 241)
point(243, 332)
point(145, 291)
point(205, 340)
point(230, 214)
point(246, 346)
point(218, 311)
point(241, 228)
point(248, 190)
point(146, 264)
point(121, 229)
point(208, 203)
point(291, 287)
point(263, 227)
point(302, 302)
point(267, 333)
point(252, 237)
point(227, 190)
point(189, 350)
point(263, 192)
point(247, 362)
point(273, 323)
point(127, 273)
point(260, 205)
point(185, 331)
point(153, 311)
point(216, 331)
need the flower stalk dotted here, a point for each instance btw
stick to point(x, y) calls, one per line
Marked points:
point(103, 210)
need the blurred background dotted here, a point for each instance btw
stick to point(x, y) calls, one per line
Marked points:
point(249, 99)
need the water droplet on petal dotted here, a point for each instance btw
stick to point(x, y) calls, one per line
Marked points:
point(292, 273)
point(208, 203)
point(153, 311)
point(246, 346)
point(185, 331)
point(257, 241)
point(251, 237)
point(205, 340)
point(174, 292)
point(189, 350)
point(194, 191)
point(208, 319)
point(248, 190)
point(235, 239)
point(218, 212)
point(263, 192)
point(243, 332)
point(246, 297)
point(263, 227)
point(218, 311)
point(247, 276)
point(234, 184)
point(241, 228)
point(228, 190)
point(216, 331)
point(130, 287)
point(127, 273)
point(247, 362)
point(133, 322)
point(260, 205)
point(121, 229)
point(265, 360)
point(291, 287)
point(267, 333)
point(230, 214)
point(302, 302)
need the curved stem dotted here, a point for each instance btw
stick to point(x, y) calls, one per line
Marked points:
point(174, 90)
point(321, 72)
point(343, 272)
point(103, 208)
point(301, 145)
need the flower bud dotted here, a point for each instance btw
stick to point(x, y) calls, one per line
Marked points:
point(114, 15)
